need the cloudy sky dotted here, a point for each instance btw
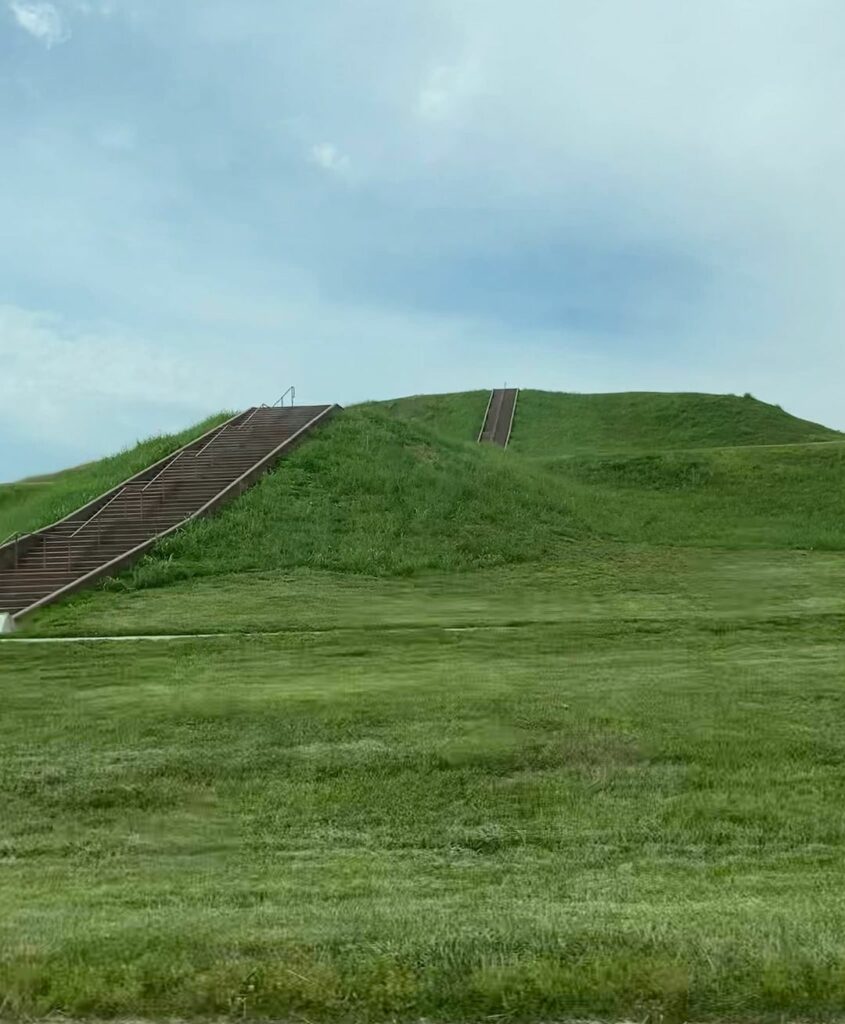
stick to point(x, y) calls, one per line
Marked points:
point(203, 202)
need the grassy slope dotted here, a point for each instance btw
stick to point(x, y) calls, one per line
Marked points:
point(457, 416)
point(552, 423)
point(379, 493)
point(613, 796)
point(786, 497)
point(34, 503)
point(548, 423)
point(372, 494)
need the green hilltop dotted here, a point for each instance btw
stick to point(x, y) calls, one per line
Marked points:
point(555, 423)
point(399, 487)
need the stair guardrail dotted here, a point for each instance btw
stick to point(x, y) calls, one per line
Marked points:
point(98, 513)
point(281, 402)
point(162, 471)
point(209, 443)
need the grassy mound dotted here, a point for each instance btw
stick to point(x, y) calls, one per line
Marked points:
point(560, 424)
point(395, 488)
point(39, 501)
point(400, 487)
point(370, 494)
point(553, 423)
point(599, 785)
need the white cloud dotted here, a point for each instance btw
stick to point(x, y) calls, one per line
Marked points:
point(41, 20)
point(447, 89)
point(329, 157)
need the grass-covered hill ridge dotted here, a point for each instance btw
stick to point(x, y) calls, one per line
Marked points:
point(376, 495)
point(554, 423)
point(401, 487)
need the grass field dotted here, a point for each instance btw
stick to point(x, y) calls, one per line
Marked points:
point(476, 736)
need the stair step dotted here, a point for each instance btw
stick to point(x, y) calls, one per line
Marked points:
point(162, 499)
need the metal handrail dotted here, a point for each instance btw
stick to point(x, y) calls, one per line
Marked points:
point(99, 512)
point(162, 471)
point(17, 537)
point(257, 409)
point(211, 442)
point(290, 391)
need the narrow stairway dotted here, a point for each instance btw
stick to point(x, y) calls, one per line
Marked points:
point(116, 529)
point(498, 422)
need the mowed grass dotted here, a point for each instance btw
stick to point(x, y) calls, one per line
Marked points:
point(657, 588)
point(39, 501)
point(543, 735)
point(617, 816)
point(548, 423)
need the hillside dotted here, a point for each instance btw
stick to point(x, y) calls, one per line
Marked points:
point(423, 730)
point(401, 487)
point(370, 494)
point(394, 489)
point(457, 416)
point(553, 423)
point(779, 497)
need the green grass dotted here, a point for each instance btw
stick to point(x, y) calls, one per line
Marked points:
point(383, 495)
point(37, 502)
point(373, 494)
point(594, 582)
point(547, 734)
point(457, 416)
point(551, 423)
point(780, 497)
point(548, 423)
point(622, 807)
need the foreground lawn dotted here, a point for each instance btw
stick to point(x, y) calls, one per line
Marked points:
point(635, 810)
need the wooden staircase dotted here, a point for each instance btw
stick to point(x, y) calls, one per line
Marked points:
point(116, 529)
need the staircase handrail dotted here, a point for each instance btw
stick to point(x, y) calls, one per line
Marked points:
point(164, 469)
point(133, 480)
point(99, 511)
point(280, 402)
point(210, 442)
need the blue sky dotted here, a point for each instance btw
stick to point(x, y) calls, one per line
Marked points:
point(203, 202)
